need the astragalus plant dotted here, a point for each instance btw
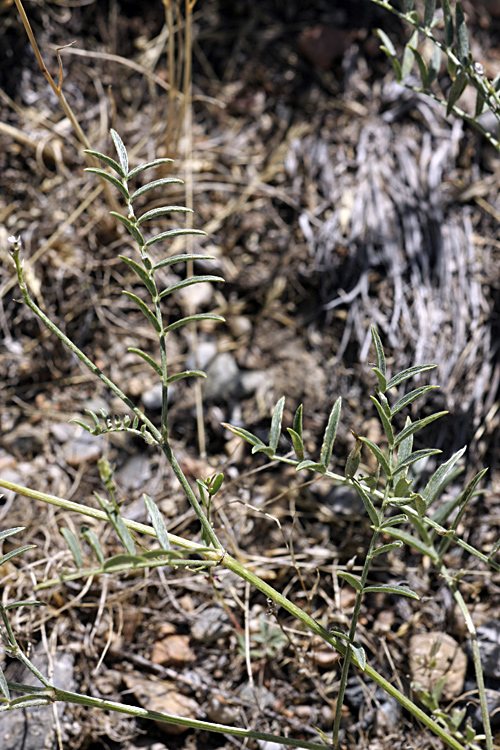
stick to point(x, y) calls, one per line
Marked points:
point(399, 511)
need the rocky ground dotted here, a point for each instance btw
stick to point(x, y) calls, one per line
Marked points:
point(333, 199)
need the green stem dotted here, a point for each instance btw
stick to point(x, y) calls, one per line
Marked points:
point(352, 635)
point(476, 656)
point(234, 566)
point(73, 348)
point(207, 526)
point(56, 694)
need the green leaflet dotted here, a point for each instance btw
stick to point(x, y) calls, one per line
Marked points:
point(298, 445)
point(418, 425)
point(386, 423)
point(148, 165)
point(330, 434)
point(141, 272)
point(247, 436)
point(351, 580)
point(112, 179)
point(186, 374)
point(275, 431)
point(152, 185)
point(15, 552)
point(93, 541)
point(131, 226)
point(409, 373)
point(9, 532)
point(416, 456)
point(151, 362)
point(158, 522)
point(174, 233)
point(145, 309)
point(189, 282)
point(120, 150)
point(190, 319)
point(106, 160)
point(181, 259)
point(161, 211)
point(73, 545)
point(379, 455)
point(387, 589)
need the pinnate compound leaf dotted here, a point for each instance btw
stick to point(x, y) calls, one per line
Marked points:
point(110, 178)
point(156, 367)
point(4, 688)
point(410, 397)
point(351, 580)
point(130, 226)
point(409, 373)
point(457, 89)
point(161, 211)
point(106, 160)
point(120, 150)
point(191, 319)
point(158, 522)
point(141, 273)
point(93, 541)
point(152, 185)
point(73, 545)
point(181, 259)
point(186, 374)
point(379, 455)
point(429, 10)
point(174, 233)
point(189, 282)
point(462, 38)
point(145, 309)
point(298, 445)
point(147, 165)
point(389, 589)
point(441, 477)
point(330, 434)
point(413, 457)
point(418, 425)
point(15, 552)
point(10, 532)
point(247, 436)
point(275, 432)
